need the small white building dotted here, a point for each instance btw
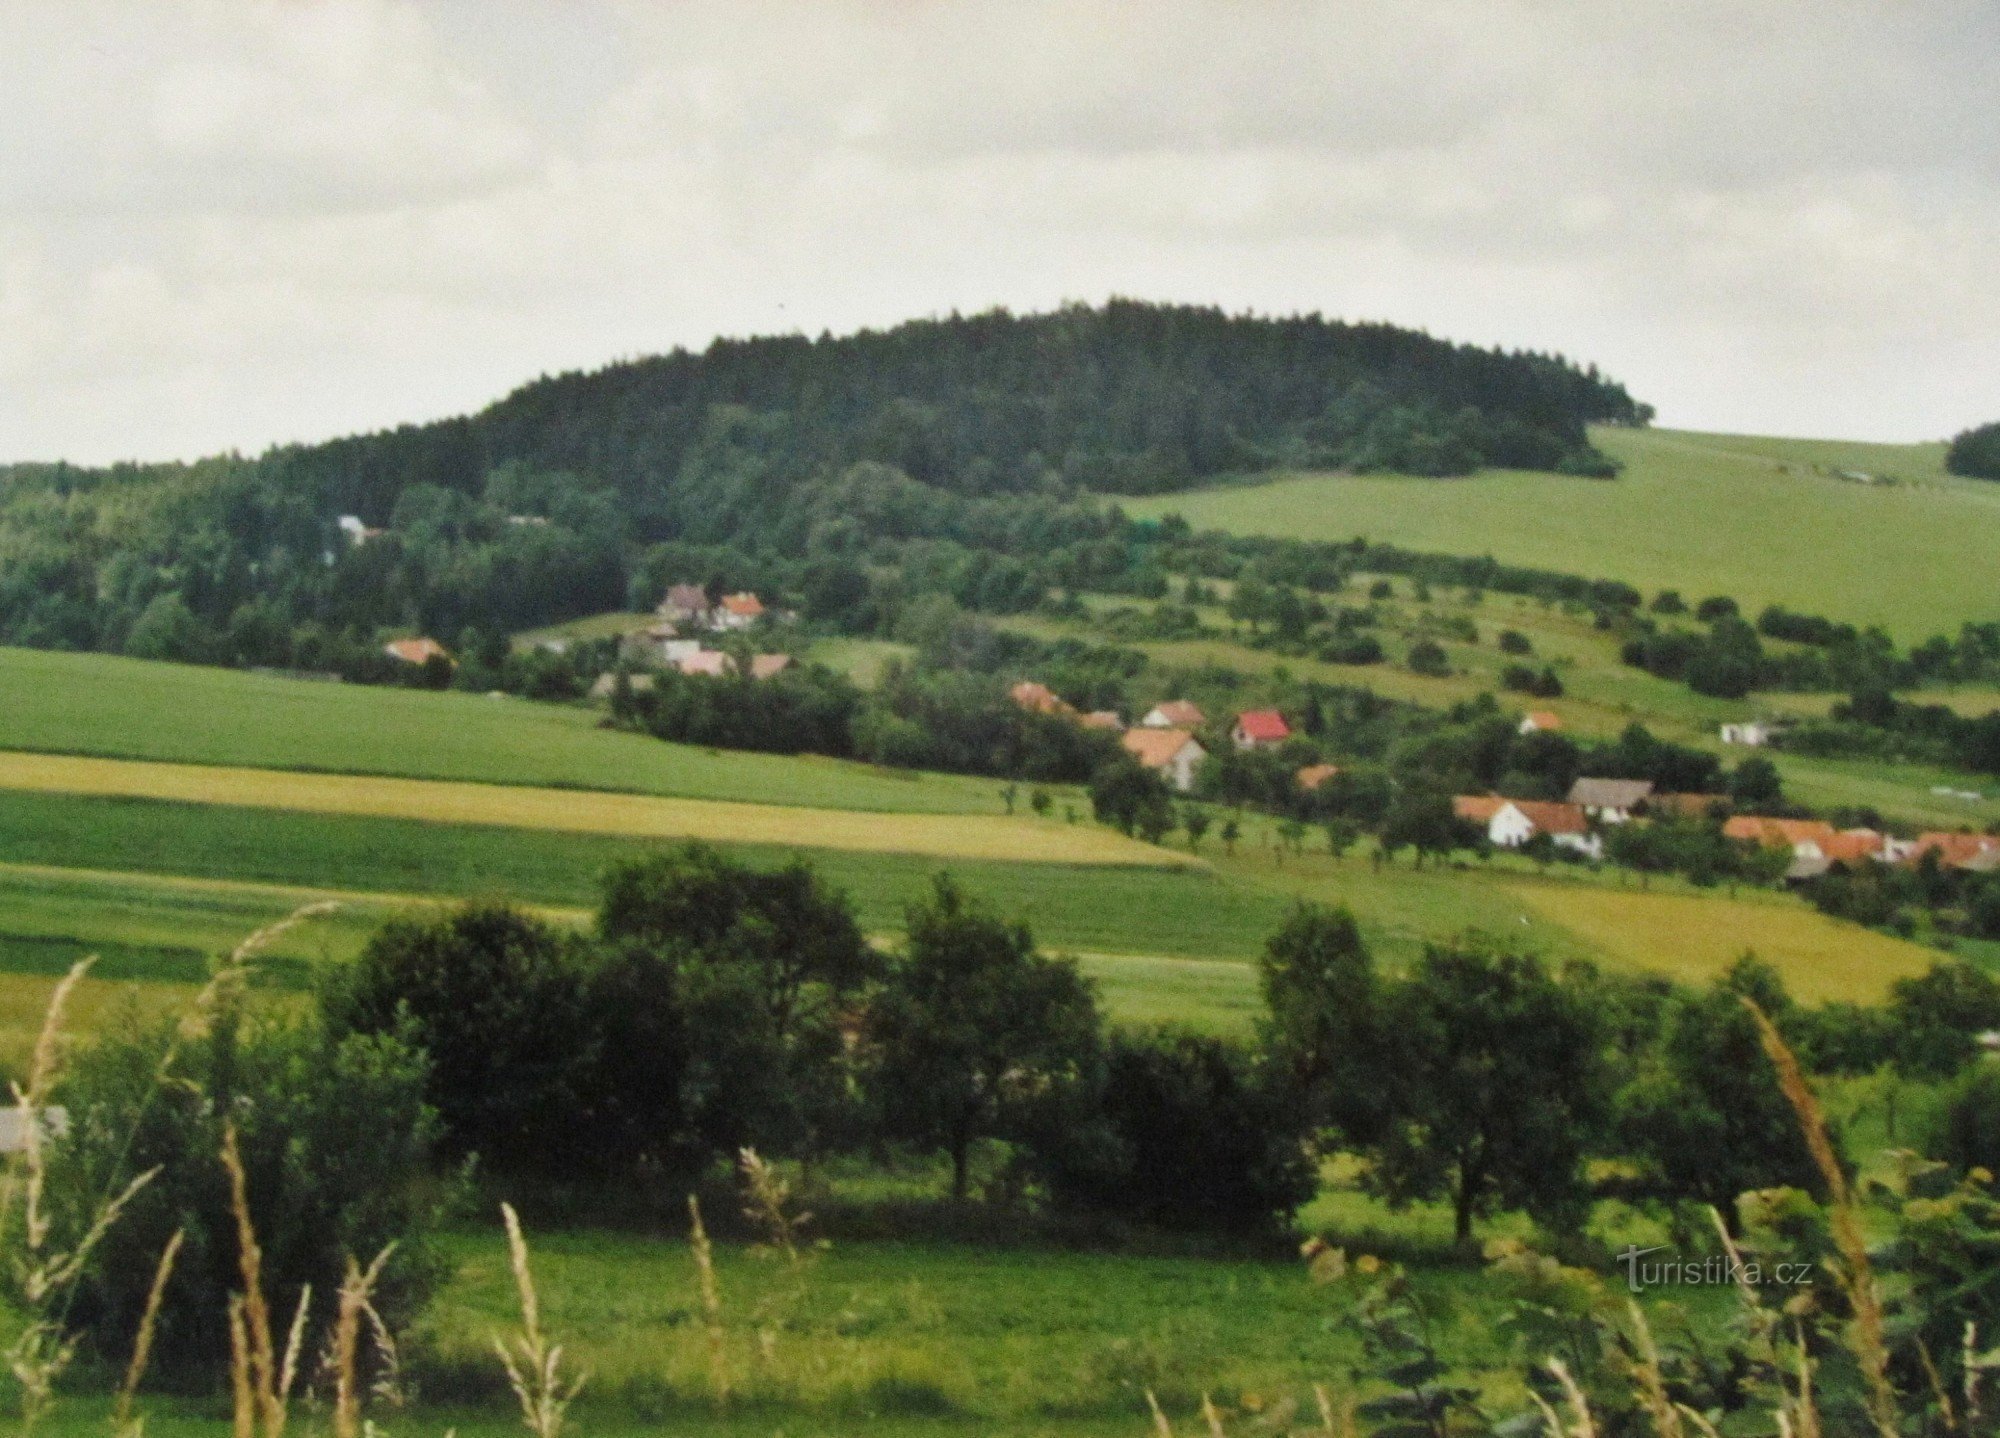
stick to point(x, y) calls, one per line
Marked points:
point(1750, 734)
point(1510, 823)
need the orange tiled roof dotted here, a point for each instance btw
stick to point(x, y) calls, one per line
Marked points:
point(1155, 748)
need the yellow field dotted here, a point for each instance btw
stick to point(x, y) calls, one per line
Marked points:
point(1693, 938)
point(944, 836)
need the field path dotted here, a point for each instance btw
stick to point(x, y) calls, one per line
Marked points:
point(947, 836)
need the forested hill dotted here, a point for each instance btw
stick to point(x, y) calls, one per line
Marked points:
point(983, 434)
point(1130, 397)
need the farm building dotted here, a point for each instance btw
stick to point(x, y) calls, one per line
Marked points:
point(1610, 801)
point(1174, 714)
point(1752, 734)
point(1105, 719)
point(1259, 729)
point(1510, 823)
point(1038, 698)
point(1174, 754)
point(416, 651)
point(1815, 844)
point(1541, 721)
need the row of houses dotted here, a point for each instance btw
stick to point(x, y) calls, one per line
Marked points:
point(1164, 738)
point(688, 656)
point(689, 604)
point(1817, 846)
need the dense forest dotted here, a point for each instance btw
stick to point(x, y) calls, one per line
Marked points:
point(961, 453)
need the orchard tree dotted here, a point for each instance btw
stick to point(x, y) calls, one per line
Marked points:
point(976, 1034)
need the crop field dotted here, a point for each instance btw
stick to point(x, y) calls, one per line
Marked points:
point(1693, 939)
point(1764, 520)
point(133, 709)
point(939, 836)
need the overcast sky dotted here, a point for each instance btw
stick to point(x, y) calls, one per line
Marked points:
point(226, 225)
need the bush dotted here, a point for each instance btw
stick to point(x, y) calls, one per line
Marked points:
point(1189, 1135)
point(1427, 656)
point(336, 1141)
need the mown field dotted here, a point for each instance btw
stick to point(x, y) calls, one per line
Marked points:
point(133, 709)
point(1757, 518)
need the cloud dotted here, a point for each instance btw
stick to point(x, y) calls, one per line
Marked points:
point(240, 223)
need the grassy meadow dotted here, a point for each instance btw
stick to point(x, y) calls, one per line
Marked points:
point(112, 707)
point(1764, 520)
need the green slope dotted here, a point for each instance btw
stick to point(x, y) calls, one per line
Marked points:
point(132, 708)
point(1765, 520)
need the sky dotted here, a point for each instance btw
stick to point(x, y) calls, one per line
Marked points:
point(227, 224)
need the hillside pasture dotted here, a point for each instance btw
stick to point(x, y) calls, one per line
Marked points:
point(136, 709)
point(1763, 520)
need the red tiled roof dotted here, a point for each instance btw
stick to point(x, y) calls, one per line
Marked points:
point(1544, 720)
point(749, 606)
point(1957, 851)
point(1780, 833)
point(1155, 748)
point(1314, 775)
point(1038, 698)
point(1105, 719)
point(1478, 808)
point(1263, 724)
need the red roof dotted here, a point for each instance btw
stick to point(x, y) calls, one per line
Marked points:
point(1780, 833)
point(1479, 808)
point(1314, 775)
point(749, 606)
point(1263, 725)
point(1038, 698)
point(1543, 720)
point(1958, 851)
point(1156, 748)
point(1106, 719)
point(763, 666)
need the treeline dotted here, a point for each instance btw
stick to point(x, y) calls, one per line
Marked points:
point(1976, 452)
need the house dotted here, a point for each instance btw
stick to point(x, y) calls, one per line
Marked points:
point(416, 651)
point(1173, 754)
point(1540, 721)
point(14, 1125)
point(1815, 844)
point(707, 664)
point(1105, 719)
point(1259, 729)
point(1974, 853)
point(607, 684)
point(1752, 735)
point(737, 611)
point(1610, 801)
point(1510, 823)
point(1174, 714)
point(685, 603)
point(357, 533)
point(765, 666)
point(1038, 698)
point(1314, 775)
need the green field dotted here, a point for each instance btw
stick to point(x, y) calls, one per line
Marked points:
point(129, 708)
point(1763, 520)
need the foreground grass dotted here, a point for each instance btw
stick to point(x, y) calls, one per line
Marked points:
point(1706, 514)
point(129, 708)
point(939, 836)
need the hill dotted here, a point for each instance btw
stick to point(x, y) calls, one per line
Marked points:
point(1764, 520)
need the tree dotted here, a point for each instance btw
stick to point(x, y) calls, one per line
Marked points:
point(1965, 1129)
point(1425, 822)
point(1500, 1090)
point(1326, 1035)
point(1937, 1018)
point(1187, 1132)
point(497, 1001)
point(1341, 835)
point(976, 1034)
point(1975, 453)
point(766, 963)
point(1705, 1112)
point(1231, 832)
point(1756, 782)
point(1125, 794)
point(1427, 656)
point(1195, 820)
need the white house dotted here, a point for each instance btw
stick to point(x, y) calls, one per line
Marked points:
point(1752, 734)
point(1174, 754)
point(1510, 823)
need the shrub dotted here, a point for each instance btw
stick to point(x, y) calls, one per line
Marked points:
point(1965, 1129)
point(336, 1141)
point(1976, 453)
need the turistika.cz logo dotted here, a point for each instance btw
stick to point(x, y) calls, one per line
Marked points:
point(1642, 1273)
